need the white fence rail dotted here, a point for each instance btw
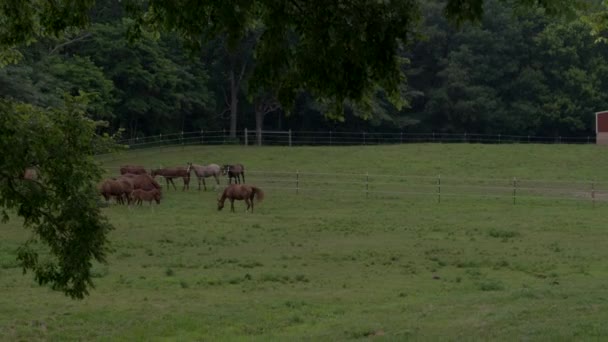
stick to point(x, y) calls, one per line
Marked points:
point(328, 138)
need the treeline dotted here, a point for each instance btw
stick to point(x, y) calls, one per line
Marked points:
point(515, 72)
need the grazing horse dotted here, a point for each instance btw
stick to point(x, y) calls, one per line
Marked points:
point(133, 169)
point(240, 192)
point(117, 189)
point(143, 181)
point(234, 171)
point(140, 195)
point(203, 172)
point(174, 172)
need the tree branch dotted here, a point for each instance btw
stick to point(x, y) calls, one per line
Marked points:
point(77, 39)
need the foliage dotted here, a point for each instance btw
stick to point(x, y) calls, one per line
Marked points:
point(59, 205)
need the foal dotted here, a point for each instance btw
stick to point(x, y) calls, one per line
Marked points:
point(240, 192)
point(139, 195)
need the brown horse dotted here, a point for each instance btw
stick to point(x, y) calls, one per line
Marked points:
point(234, 171)
point(240, 192)
point(133, 169)
point(119, 189)
point(143, 181)
point(140, 195)
point(174, 172)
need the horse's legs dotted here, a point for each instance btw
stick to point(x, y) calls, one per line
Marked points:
point(172, 183)
point(248, 203)
point(199, 183)
point(204, 185)
point(243, 173)
point(232, 204)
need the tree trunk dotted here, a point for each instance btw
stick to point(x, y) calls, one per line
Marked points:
point(234, 102)
point(259, 125)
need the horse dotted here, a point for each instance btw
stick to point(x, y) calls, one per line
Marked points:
point(174, 172)
point(132, 169)
point(234, 171)
point(203, 172)
point(240, 192)
point(30, 173)
point(142, 181)
point(140, 195)
point(116, 188)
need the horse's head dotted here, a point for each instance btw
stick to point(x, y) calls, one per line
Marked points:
point(189, 167)
point(225, 169)
point(220, 205)
point(157, 196)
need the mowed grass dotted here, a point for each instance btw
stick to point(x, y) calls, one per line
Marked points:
point(337, 266)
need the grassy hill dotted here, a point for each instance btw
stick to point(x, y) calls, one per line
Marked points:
point(331, 264)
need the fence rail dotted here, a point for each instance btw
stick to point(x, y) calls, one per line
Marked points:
point(328, 138)
point(437, 187)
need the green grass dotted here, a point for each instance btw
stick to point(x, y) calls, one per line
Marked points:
point(335, 266)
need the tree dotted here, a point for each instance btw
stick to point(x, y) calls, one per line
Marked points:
point(60, 204)
point(335, 49)
point(265, 103)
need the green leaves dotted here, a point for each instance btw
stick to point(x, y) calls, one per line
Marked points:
point(60, 204)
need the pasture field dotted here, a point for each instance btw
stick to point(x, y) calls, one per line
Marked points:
point(332, 265)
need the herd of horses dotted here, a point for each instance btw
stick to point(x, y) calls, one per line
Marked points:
point(136, 185)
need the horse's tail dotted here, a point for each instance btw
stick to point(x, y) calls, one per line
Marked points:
point(258, 193)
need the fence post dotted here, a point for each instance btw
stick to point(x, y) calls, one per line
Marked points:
point(202, 140)
point(465, 137)
point(297, 182)
point(433, 136)
point(514, 189)
point(401, 139)
point(160, 142)
point(246, 137)
point(528, 139)
point(364, 138)
point(587, 139)
point(593, 193)
point(367, 185)
point(438, 188)
point(290, 138)
point(499, 138)
point(224, 136)
point(182, 140)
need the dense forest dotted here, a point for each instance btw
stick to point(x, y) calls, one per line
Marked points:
point(514, 72)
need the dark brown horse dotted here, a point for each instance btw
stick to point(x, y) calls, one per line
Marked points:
point(240, 192)
point(134, 169)
point(234, 171)
point(174, 172)
point(140, 195)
